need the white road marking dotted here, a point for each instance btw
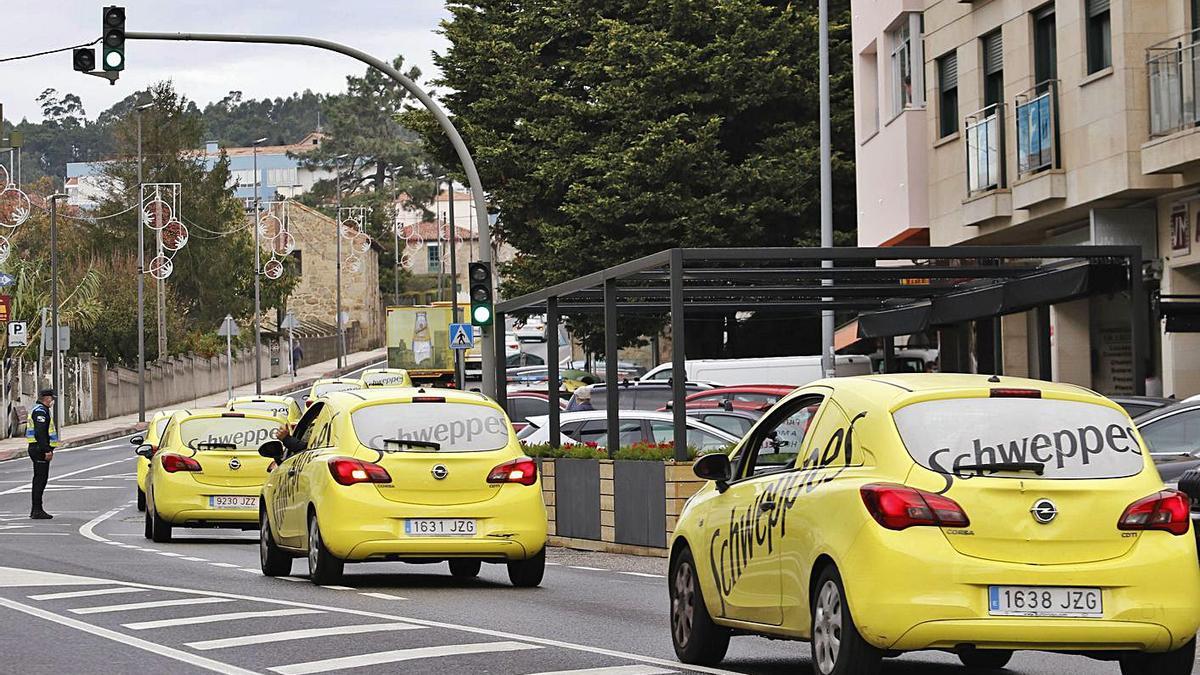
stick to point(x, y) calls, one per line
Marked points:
point(169, 554)
point(129, 640)
point(190, 559)
point(383, 596)
point(249, 569)
point(302, 634)
point(291, 578)
point(15, 577)
point(643, 574)
point(37, 534)
point(215, 618)
point(104, 609)
point(222, 564)
point(13, 527)
point(398, 655)
point(120, 590)
point(340, 588)
point(67, 475)
point(590, 569)
point(612, 670)
point(87, 528)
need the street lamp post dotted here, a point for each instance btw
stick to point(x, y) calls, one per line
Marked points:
point(54, 303)
point(458, 353)
point(257, 279)
point(337, 235)
point(141, 280)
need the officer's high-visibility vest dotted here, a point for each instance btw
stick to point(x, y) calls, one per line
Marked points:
point(29, 426)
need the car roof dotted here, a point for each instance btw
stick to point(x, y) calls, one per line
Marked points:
point(652, 384)
point(402, 394)
point(335, 380)
point(626, 414)
point(223, 412)
point(895, 390)
point(745, 414)
point(1151, 415)
point(271, 398)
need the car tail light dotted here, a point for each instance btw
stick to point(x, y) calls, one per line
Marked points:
point(1015, 393)
point(521, 470)
point(1167, 510)
point(898, 507)
point(429, 399)
point(172, 463)
point(347, 471)
point(308, 403)
point(233, 414)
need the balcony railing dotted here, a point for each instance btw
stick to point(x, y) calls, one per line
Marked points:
point(1173, 71)
point(985, 149)
point(1037, 128)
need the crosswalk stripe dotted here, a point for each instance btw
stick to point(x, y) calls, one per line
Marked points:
point(214, 618)
point(397, 655)
point(148, 605)
point(383, 596)
point(301, 634)
point(589, 569)
point(339, 588)
point(84, 594)
point(613, 670)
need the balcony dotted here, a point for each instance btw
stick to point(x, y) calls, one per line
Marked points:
point(1173, 79)
point(986, 197)
point(1038, 175)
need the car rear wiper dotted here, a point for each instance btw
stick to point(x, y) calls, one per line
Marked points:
point(1037, 467)
point(216, 446)
point(413, 443)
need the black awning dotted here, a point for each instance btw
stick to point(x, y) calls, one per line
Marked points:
point(905, 320)
point(969, 304)
point(1181, 312)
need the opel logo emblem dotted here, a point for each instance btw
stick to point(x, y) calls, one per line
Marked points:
point(1044, 511)
point(440, 471)
point(234, 464)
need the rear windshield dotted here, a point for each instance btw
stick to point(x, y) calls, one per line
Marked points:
point(383, 379)
point(330, 387)
point(244, 433)
point(1071, 440)
point(270, 407)
point(456, 427)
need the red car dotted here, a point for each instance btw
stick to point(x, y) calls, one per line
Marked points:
point(525, 404)
point(739, 397)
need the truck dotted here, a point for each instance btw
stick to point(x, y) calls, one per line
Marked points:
point(418, 340)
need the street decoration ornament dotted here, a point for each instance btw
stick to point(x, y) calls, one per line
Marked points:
point(174, 235)
point(160, 212)
point(350, 226)
point(15, 206)
point(273, 269)
point(275, 232)
point(5, 249)
point(161, 267)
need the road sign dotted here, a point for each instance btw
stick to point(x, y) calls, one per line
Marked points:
point(7, 280)
point(18, 334)
point(462, 336)
point(228, 327)
point(5, 307)
point(64, 338)
point(289, 322)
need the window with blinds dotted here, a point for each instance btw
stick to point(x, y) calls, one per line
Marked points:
point(993, 69)
point(1099, 35)
point(947, 72)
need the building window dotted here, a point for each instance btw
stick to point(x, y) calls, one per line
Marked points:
point(1099, 35)
point(282, 177)
point(868, 91)
point(242, 178)
point(993, 69)
point(1045, 48)
point(434, 260)
point(901, 42)
point(947, 72)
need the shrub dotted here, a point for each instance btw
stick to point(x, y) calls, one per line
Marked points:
point(647, 452)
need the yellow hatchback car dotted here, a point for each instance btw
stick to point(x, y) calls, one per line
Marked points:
point(154, 432)
point(280, 406)
point(405, 475)
point(386, 377)
point(207, 471)
point(329, 385)
point(979, 515)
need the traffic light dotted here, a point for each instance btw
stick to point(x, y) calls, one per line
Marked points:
point(114, 39)
point(480, 274)
point(85, 59)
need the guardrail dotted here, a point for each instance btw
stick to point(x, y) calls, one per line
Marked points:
point(985, 149)
point(1037, 128)
point(1173, 76)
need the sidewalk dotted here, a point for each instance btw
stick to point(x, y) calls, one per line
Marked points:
point(115, 427)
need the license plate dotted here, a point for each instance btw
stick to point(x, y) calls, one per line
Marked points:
point(1044, 601)
point(439, 527)
point(233, 501)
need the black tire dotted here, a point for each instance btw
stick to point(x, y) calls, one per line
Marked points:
point(992, 659)
point(160, 530)
point(1178, 662)
point(528, 573)
point(465, 568)
point(149, 531)
point(831, 617)
point(273, 560)
point(696, 638)
point(324, 568)
point(141, 500)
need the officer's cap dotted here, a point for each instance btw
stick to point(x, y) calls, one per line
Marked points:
point(47, 392)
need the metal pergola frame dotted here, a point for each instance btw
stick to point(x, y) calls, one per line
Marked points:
point(940, 286)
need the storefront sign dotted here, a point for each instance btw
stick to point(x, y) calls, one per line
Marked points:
point(1181, 241)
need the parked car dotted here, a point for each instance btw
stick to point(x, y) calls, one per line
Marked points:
point(636, 395)
point(793, 370)
point(1140, 405)
point(529, 403)
point(754, 395)
point(1172, 434)
point(533, 330)
point(637, 426)
point(736, 422)
point(524, 359)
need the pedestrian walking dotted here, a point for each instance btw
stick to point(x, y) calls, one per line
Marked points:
point(297, 355)
point(42, 435)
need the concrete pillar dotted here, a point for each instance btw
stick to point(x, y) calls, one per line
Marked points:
point(1070, 343)
point(1181, 351)
point(1016, 344)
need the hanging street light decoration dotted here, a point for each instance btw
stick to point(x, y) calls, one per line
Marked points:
point(351, 226)
point(275, 233)
point(15, 207)
point(160, 206)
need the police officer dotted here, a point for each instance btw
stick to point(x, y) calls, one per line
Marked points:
point(43, 439)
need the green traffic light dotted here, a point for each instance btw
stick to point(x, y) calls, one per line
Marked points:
point(481, 315)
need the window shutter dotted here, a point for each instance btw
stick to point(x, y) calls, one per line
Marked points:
point(949, 72)
point(993, 54)
point(1095, 7)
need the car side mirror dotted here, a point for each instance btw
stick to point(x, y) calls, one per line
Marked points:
point(272, 450)
point(137, 440)
point(714, 467)
point(144, 450)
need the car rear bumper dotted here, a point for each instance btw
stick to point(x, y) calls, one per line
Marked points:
point(1045, 634)
point(181, 503)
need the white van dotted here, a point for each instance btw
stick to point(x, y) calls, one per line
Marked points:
point(793, 370)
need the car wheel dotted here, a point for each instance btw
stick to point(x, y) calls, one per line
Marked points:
point(160, 530)
point(465, 568)
point(1178, 662)
point(837, 647)
point(528, 573)
point(994, 659)
point(141, 500)
point(273, 560)
point(149, 520)
point(696, 638)
point(323, 567)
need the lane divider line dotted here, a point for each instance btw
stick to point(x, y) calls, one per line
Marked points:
point(383, 596)
point(396, 655)
point(153, 604)
point(120, 590)
point(215, 618)
point(301, 634)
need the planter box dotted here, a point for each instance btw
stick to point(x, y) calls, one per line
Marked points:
point(577, 498)
point(639, 504)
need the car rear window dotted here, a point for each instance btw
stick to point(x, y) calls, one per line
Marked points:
point(244, 433)
point(456, 427)
point(330, 387)
point(269, 407)
point(1072, 440)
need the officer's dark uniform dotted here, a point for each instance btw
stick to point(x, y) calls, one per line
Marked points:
point(43, 438)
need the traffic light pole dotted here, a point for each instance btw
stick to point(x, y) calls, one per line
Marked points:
point(460, 147)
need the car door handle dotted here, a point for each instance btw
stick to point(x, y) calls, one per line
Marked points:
point(766, 506)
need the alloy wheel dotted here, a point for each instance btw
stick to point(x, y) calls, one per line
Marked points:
point(314, 545)
point(683, 603)
point(827, 627)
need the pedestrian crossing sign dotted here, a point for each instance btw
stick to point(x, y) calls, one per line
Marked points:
point(462, 336)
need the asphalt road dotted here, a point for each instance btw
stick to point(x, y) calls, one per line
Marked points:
point(87, 593)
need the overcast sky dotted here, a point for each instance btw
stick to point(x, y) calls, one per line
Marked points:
point(205, 72)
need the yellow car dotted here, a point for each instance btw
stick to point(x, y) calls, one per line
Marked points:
point(329, 385)
point(978, 515)
point(207, 471)
point(154, 432)
point(403, 474)
point(386, 377)
point(280, 406)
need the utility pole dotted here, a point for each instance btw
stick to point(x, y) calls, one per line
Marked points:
point(458, 353)
point(827, 355)
point(54, 306)
point(257, 279)
point(396, 264)
point(337, 235)
point(141, 280)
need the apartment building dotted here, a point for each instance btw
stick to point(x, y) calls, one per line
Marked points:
point(1065, 122)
